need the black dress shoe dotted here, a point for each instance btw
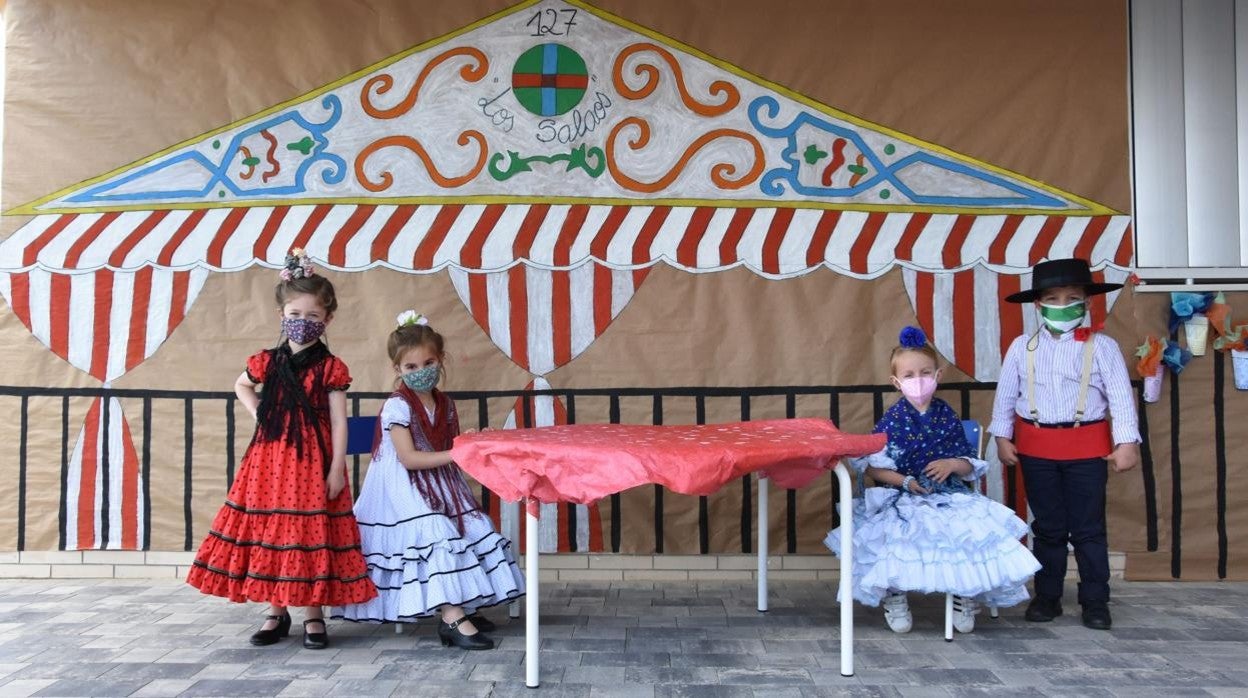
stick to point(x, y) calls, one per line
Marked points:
point(315, 641)
point(270, 637)
point(482, 623)
point(450, 635)
point(1043, 609)
point(1096, 616)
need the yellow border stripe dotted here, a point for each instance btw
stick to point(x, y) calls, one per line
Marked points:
point(484, 199)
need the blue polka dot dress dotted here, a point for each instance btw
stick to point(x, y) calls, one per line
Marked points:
point(950, 540)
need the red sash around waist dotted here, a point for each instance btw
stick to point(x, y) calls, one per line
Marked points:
point(1081, 442)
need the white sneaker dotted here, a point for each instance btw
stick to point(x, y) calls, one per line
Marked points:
point(964, 610)
point(897, 613)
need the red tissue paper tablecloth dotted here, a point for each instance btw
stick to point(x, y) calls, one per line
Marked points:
point(582, 463)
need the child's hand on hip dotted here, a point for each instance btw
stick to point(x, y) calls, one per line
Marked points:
point(1124, 457)
point(1006, 452)
point(940, 470)
point(335, 483)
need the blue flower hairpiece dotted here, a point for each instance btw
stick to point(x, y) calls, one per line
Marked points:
point(912, 338)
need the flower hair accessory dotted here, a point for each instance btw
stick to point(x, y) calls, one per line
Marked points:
point(297, 266)
point(912, 338)
point(407, 318)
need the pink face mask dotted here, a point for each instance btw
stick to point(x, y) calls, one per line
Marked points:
point(918, 389)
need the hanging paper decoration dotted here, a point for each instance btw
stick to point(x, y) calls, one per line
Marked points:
point(1150, 368)
point(1219, 314)
point(1185, 306)
point(1188, 309)
point(1175, 356)
point(1229, 336)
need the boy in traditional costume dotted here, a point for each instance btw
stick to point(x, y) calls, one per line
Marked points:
point(1065, 409)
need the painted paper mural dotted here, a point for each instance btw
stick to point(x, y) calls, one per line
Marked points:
point(547, 158)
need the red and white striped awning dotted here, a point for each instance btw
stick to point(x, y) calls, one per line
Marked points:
point(773, 242)
point(104, 323)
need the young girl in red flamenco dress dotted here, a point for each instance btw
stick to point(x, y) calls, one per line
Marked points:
point(286, 534)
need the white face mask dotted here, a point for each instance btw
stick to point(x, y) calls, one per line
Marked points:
point(1063, 318)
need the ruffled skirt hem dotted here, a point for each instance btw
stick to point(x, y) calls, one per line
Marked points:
point(962, 544)
point(414, 577)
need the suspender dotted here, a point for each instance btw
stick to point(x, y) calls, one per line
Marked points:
point(1085, 377)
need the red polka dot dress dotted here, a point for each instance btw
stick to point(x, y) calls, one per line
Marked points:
point(277, 539)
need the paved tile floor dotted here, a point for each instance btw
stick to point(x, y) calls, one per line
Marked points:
point(162, 638)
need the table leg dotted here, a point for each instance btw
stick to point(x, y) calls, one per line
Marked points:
point(509, 516)
point(763, 543)
point(948, 617)
point(847, 567)
point(532, 637)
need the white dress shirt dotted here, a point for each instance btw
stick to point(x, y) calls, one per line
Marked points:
point(1059, 362)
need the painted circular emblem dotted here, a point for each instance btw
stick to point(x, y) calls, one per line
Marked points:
point(549, 79)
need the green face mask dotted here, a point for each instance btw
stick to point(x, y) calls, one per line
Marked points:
point(1063, 318)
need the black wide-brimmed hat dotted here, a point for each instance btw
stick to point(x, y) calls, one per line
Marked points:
point(1061, 272)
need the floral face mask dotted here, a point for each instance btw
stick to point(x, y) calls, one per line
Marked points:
point(423, 379)
point(302, 330)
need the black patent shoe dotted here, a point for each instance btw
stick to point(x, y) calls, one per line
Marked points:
point(1096, 616)
point(482, 623)
point(315, 641)
point(1043, 610)
point(260, 638)
point(450, 635)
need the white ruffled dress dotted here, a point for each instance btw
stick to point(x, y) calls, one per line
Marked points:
point(959, 542)
point(417, 557)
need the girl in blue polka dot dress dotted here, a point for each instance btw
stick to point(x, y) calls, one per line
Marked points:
point(923, 527)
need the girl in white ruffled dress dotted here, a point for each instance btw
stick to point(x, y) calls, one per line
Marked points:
point(925, 528)
point(429, 547)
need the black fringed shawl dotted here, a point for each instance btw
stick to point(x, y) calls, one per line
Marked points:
point(440, 433)
point(285, 407)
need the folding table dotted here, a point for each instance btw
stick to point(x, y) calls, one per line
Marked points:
point(586, 462)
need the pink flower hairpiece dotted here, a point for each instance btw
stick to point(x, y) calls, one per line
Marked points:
point(297, 266)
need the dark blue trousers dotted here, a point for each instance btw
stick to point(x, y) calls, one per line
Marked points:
point(1067, 499)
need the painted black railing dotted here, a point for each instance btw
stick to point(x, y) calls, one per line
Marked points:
point(573, 400)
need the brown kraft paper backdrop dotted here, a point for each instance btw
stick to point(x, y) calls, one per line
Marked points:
point(1039, 89)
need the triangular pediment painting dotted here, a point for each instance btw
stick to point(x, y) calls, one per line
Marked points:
point(555, 100)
